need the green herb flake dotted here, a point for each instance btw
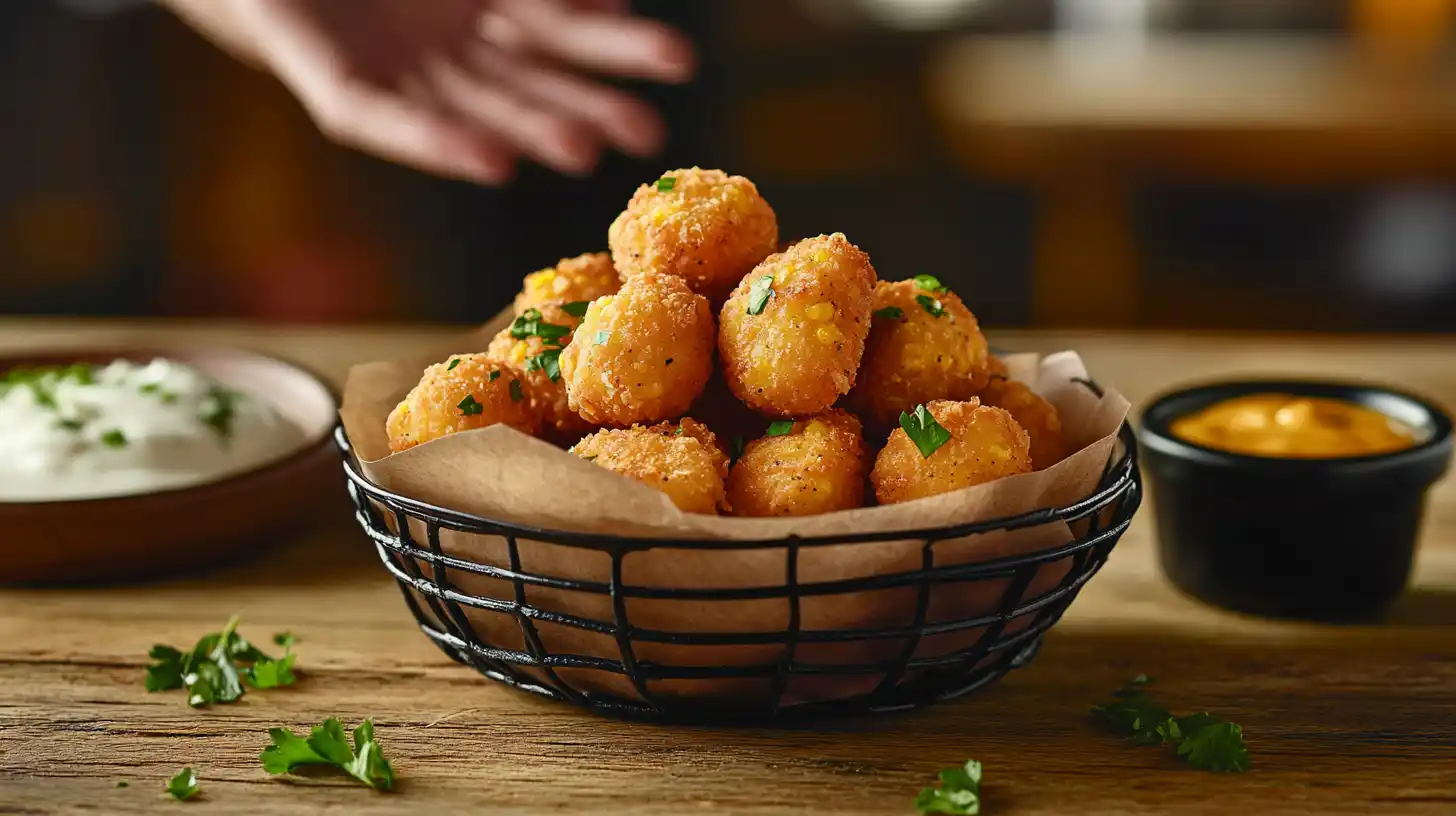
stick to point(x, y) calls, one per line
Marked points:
point(114, 438)
point(284, 639)
point(149, 388)
point(576, 308)
point(218, 410)
point(602, 337)
point(780, 428)
point(1204, 741)
point(329, 745)
point(959, 792)
point(122, 783)
point(759, 294)
point(72, 425)
point(666, 183)
point(735, 449)
point(516, 394)
point(591, 458)
point(494, 375)
point(470, 406)
point(548, 361)
point(927, 434)
point(169, 398)
point(669, 361)
point(890, 313)
point(530, 324)
point(928, 283)
point(183, 786)
point(453, 363)
point(934, 307)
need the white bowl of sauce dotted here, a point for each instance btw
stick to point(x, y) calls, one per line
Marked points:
point(117, 464)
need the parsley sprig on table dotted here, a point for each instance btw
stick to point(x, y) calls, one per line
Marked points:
point(1203, 740)
point(214, 670)
point(183, 786)
point(329, 745)
point(959, 792)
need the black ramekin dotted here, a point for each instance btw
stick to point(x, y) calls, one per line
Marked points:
point(1317, 539)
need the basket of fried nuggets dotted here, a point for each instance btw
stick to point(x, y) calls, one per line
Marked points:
point(741, 377)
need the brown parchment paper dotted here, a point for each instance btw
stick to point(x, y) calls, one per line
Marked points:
point(499, 473)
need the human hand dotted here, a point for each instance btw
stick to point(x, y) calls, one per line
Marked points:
point(463, 88)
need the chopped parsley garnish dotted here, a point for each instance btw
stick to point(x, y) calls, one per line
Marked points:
point(669, 361)
point(218, 409)
point(890, 313)
point(122, 783)
point(759, 293)
point(210, 672)
point(42, 381)
point(959, 792)
point(1204, 741)
point(470, 406)
point(453, 363)
point(780, 428)
point(931, 305)
point(602, 337)
point(70, 424)
point(329, 745)
point(548, 361)
point(576, 308)
point(591, 458)
point(494, 375)
point(183, 786)
point(530, 324)
point(284, 639)
point(114, 438)
point(666, 183)
point(927, 434)
point(149, 388)
point(929, 283)
point(169, 398)
point(516, 394)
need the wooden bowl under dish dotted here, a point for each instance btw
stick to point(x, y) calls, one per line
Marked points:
point(146, 535)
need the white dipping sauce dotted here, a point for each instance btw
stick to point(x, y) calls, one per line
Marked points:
point(87, 432)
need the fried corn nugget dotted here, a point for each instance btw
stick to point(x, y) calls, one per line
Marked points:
point(817, 466)
point(641, 355)
point(583, 278)
point(924, 345)
point(792, 334)
point(682, 460)
point(533, 345)
point(704, 226)
point(1034, 414)
point(996, 367)
point(984, 444)
point(464, 392)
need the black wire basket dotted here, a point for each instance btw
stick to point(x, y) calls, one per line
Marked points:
point(508, 621)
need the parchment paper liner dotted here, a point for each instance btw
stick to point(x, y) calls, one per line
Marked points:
point(501, 474)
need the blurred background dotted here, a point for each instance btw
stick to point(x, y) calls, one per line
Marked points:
point(1201, 164)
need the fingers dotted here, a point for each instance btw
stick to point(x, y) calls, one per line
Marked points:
point(409, 133)
point(606, 42)
point(559, 142)
point(626, 122)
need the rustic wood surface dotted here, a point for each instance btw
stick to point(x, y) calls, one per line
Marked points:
point(1338, 719)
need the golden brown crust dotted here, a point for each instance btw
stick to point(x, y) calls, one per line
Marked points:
point(1033, 413)
point(986, 444)
point(546, 398)
point(817, 467)
point(644, 354)
point(682, 460)
point(917, 357)
point(583, 278)
point(432, 409)
point(802, 352)
point(710, 229)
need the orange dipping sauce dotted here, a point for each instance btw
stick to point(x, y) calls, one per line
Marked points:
point(1292, 427)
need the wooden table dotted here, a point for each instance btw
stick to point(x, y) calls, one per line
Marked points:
point(1339, 719)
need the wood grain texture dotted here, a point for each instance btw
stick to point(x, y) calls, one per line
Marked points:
point(1341, 720)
